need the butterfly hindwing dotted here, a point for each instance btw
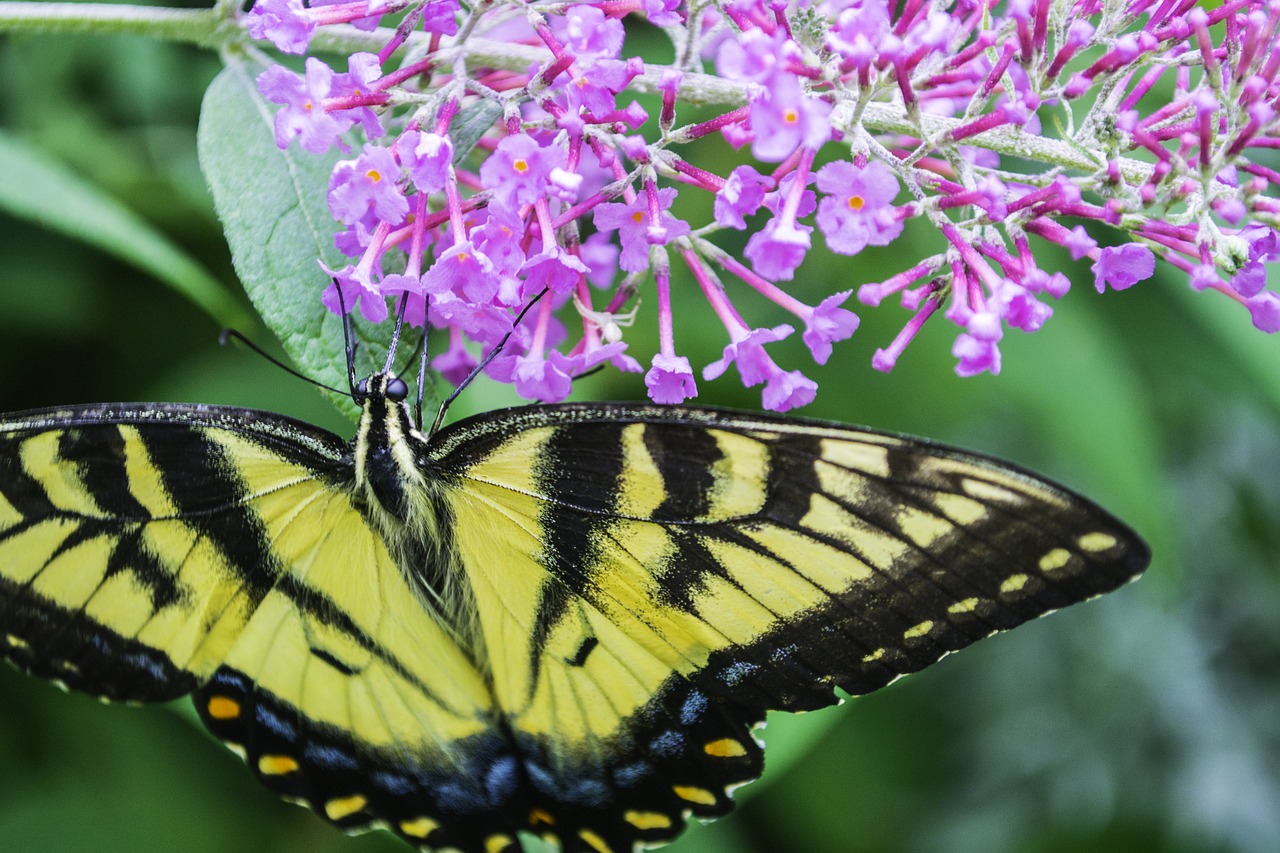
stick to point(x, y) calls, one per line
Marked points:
point(691, 569)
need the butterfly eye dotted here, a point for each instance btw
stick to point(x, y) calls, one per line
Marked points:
point(396, 389)
point(362, 387)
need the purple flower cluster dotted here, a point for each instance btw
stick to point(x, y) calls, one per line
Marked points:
point(858, 115)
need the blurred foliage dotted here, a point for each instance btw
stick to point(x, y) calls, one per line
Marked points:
point(1148, 720)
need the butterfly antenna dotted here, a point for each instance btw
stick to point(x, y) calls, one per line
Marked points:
point(228, 334)
point(484, 362)
point(348, 339)
point(422, 374)
point(395, 334)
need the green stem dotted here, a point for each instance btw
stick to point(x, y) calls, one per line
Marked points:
point(204, 27)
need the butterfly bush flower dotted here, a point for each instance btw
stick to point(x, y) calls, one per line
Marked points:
point(500, 157)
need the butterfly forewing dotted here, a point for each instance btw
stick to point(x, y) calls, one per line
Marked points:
point(610, 598)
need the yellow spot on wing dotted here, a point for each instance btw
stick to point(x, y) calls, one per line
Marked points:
point(918, 630)
point(497, 843)
point(122, 603)
point(340, 807)
point(1054, 560)
point(869, 458)
point(990, 492)
point(144, 478)
point(23, 557)
point(594, 841)
point(276, 765)
point(59, 479)
point(641, 490)
point(874, 546)
point(874, 656)
point(647, 820)
point(725, 747)
point(223, 708)
point(1097, 541)
point(958, 508)
point(537, 816)
point(15, 641)
point(701, 796)
point(64, 579)
point(1013, 583)
point(922, 528)
point(419, 827)
point(9, 515)
point(966, 606)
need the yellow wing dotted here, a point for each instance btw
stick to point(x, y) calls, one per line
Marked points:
point(651, 581)
point(150, 553)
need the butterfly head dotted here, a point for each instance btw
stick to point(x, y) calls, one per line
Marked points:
point(382, 386)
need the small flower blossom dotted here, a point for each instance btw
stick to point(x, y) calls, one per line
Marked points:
point(302, 115)
point(787, 390)
point(827, 324)
point(746, 351)
point(670, 379)
point(553, 269)
point(853, 213)
point(455, 363)
point(284, 23)
point(367, 184)
point(427, 157)
point(778, 249)
point(519, 170)
point(547, 378)
point(742, 195)
point(785, 117)
point(441, 17)
point(633, 223)
point(1123, 266)
point(464, 271)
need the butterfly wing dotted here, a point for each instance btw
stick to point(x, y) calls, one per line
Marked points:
point(147, 553)
point(651, 581)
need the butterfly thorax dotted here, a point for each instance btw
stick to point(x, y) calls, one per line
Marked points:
point(396, 491)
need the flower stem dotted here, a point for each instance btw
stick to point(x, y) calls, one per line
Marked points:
point(196, 26)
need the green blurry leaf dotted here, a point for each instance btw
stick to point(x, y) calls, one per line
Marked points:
point(273, 210)
point(1254, 354)
point(39, 189)
point(1086, 397)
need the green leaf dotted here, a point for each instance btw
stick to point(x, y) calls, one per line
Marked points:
point(273, 210)
point(470, 124)
point(37, 188)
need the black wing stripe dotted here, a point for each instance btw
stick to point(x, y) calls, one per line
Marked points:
point(196, 483)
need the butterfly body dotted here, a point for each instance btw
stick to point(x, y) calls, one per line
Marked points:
point(559, 620)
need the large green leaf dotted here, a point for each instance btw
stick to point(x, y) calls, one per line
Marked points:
point(273, 210)
point(37, 188)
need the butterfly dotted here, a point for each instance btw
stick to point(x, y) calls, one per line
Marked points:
point(558, 620)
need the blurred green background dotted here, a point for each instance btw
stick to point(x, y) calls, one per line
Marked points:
point(1149, 720)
